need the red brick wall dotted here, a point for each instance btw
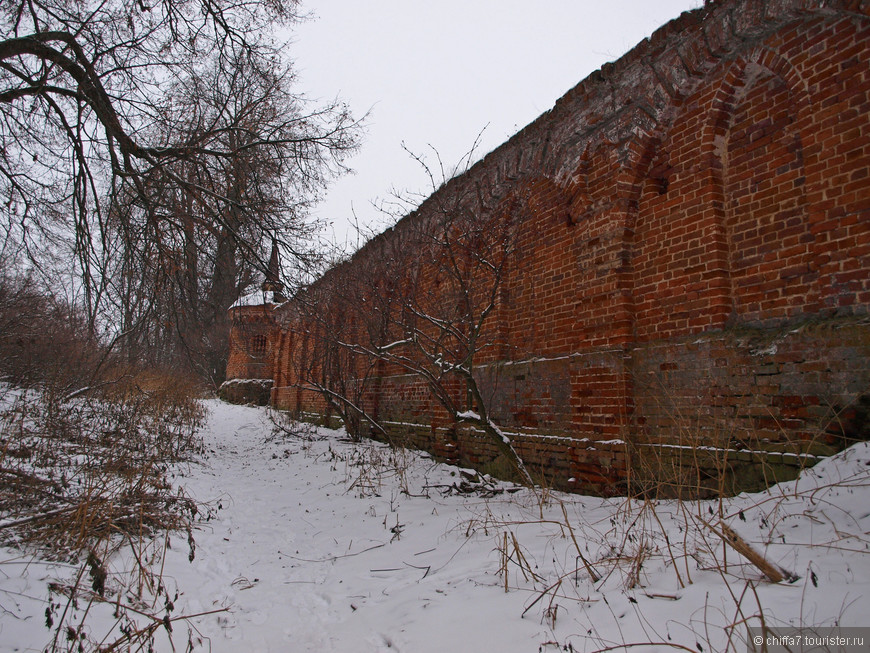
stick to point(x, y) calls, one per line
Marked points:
point(693, 261)
point(253, 343)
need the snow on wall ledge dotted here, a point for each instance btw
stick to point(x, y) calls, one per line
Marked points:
point(246, 391)
point(693, 263)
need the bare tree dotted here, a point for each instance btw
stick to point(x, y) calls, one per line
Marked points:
point(42, 337)
point(351, 303)
point(447, 323)
point(155, 127)
point(209, 249)
point(436, 285)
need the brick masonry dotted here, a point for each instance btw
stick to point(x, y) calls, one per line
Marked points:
point(694, 263)
point(252, 351)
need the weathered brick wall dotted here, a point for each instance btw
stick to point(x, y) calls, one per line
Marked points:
point(777, 397)
point(253, 342)
point(789, 386)
point(693, 264)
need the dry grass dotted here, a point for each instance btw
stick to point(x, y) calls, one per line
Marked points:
point(572, 559)
point(663, 543)
point(85, 479)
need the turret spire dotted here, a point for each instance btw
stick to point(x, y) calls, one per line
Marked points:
point(273, 276)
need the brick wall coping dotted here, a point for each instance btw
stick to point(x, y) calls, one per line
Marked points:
point(624, 103)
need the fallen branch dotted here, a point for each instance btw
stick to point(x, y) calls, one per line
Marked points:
point(33, 518)
point(774, 573)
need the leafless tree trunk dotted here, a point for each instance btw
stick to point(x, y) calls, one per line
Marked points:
point(161, 143)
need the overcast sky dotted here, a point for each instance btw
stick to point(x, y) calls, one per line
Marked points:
point(437, 73)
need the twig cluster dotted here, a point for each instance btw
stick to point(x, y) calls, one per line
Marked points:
point(621, 554)
point(87, 479)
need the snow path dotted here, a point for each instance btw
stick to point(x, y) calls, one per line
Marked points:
point(304, 564)
point(308, 562)
point(311, 543)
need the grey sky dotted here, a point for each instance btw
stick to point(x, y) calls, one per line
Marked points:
point(438, 72)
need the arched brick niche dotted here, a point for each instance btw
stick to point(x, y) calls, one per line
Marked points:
point(693, 260)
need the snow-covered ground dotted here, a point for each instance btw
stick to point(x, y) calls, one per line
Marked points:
point(312, 543)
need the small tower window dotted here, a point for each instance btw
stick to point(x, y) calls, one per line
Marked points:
point(258, 346)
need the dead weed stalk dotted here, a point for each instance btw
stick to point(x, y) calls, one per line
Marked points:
point(85, 478)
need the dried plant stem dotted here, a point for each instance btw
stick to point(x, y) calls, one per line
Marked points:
point(668, 543)
point(504, 561)
point(594, 576)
